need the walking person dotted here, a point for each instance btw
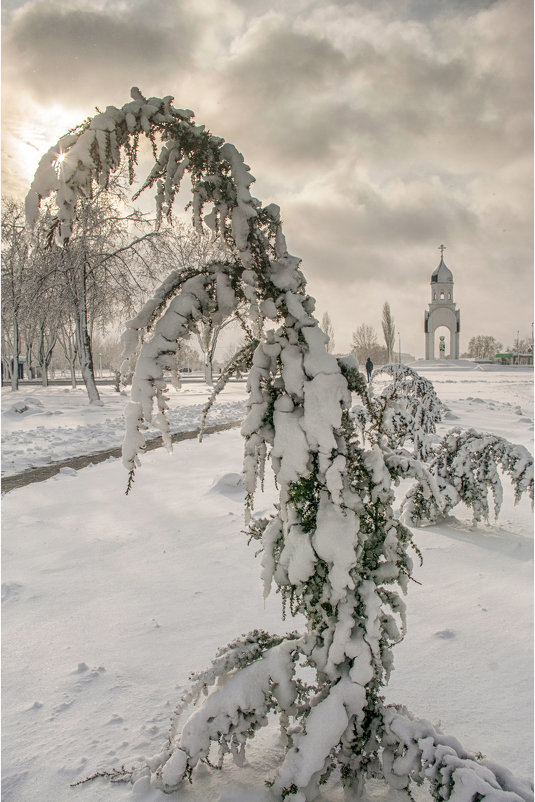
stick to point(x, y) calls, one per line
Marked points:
point(369, 369)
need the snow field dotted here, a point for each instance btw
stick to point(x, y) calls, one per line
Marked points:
point(110, 602)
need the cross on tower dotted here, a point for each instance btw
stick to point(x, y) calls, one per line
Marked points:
point(442, 248)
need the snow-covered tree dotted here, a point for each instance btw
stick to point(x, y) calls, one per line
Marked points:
point(207, 336)
point(331, 545)
point(32, 306)
point(406, 407)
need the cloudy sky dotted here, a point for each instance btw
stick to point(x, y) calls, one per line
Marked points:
point(382, 128)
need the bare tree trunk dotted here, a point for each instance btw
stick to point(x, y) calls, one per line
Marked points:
point(86, 359)
point(84, 345)
point(207, 338)
point(208, 370)
point(42, 361)
point(69, 349)
point(67, 340)
point(6, 370)
point(72, 367)
point(15, 358)
point(29, 360)
point(45, 354)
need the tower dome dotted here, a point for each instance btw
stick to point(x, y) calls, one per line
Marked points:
point(442, 275)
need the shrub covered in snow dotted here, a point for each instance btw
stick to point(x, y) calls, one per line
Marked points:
point(465, 466)
point(405, 409)
point(332, 545)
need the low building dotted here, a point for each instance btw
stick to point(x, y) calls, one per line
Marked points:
point(514, 359)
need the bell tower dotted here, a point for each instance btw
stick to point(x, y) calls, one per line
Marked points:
point(442, 311)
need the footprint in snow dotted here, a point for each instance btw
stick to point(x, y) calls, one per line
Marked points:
point(10, 591)
point(445, 634)
point(62, 707)
point(86, 676)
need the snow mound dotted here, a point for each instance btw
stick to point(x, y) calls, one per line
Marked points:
point(28, 406)
point(66, 471)
point(229, 484)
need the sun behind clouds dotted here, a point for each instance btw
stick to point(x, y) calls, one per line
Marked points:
point(27, 136)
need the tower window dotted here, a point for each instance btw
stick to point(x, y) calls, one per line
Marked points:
point(449, 296)
point(434, 296)
point(441, 296)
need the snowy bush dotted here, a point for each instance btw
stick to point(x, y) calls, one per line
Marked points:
point(414, 751)
point(462, 467)
point(332, 546)
point(465, 466)
point(406, 409)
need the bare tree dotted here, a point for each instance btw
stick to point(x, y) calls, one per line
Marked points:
point(97, 272)
point(67, 342)
point(483, 346)
point(189, 250)
point(15, 269)
point(207, 336)
point(389, 331)
point(366, 344)
point(327, 328)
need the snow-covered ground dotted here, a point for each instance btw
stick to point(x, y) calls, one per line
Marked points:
point(109, 602)
point(41, 426)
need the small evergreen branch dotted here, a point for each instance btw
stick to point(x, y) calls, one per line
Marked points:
point(131, 481)
point(122, 775)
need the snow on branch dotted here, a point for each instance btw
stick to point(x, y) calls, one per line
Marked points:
point(407, 408)
point(414, 751)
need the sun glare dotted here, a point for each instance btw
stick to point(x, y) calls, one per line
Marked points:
point(27, 138)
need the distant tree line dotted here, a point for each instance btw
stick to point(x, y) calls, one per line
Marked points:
point(483, 346)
